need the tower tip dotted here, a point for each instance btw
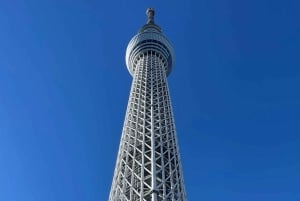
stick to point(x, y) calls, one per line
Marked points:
point(150, 13)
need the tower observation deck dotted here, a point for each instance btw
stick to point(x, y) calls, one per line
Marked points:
point(148, 165)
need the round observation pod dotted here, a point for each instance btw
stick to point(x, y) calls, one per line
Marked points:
point(149, 38)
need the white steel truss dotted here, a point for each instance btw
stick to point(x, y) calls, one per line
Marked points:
point(148, 166)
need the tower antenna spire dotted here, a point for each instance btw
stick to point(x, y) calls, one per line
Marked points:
point(150, 13)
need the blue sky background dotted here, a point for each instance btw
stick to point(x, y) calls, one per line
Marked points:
point(235, 91)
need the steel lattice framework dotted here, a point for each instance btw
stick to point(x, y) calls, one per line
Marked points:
point(148, 166)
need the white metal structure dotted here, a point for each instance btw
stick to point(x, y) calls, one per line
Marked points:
point(148, 167)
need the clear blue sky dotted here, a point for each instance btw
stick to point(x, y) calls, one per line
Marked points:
point(235, 91)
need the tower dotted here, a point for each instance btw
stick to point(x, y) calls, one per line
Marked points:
point(148, 166)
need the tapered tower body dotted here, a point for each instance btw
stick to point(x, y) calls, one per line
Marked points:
point(148, 166)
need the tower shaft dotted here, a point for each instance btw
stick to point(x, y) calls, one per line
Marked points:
point(148, 166)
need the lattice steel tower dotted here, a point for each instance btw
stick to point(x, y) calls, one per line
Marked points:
point(148, 167)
